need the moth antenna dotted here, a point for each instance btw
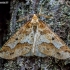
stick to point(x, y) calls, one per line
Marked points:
point(40, 13)
point(40, 10)
point(46, 16)
point(21, 19)
point(34, 17)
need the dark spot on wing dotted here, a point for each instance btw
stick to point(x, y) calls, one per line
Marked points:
point(52, 38)
point(58, 53)
point(47, 48)
point(16, 38)
point(11, 53)
point(41, 32)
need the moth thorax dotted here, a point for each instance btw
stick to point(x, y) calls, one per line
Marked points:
point(34, 21)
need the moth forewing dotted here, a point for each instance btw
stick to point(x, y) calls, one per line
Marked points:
point(35, 38)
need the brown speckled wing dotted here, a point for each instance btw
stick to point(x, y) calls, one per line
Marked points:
point(19, 44)
point(50, 44)
point(35, 38)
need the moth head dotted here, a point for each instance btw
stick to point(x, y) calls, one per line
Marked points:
point(34, 19)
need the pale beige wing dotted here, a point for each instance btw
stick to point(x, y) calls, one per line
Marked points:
point(19, 44)
point(50, 44)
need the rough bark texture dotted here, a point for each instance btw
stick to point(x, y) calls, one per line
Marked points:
point(60, 24)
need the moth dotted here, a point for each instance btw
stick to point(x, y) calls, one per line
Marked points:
point(35, 38)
